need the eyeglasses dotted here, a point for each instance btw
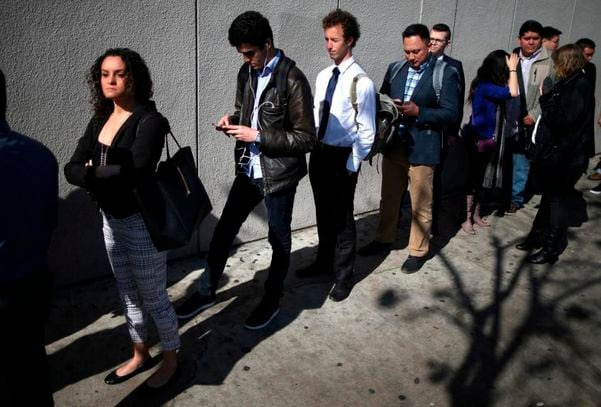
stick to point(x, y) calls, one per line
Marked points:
point(437, 40)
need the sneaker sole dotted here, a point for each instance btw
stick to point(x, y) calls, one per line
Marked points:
point(592, 191)
point(196, 311)
point(263, 325)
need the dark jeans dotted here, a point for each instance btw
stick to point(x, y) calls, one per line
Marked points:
point(24, 307)
point(245, 194)
point(334, 193)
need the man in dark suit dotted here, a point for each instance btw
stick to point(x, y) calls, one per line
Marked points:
point(590, 72)
point(28, 216)
point(447, 176)
point(588, 50)
point(415, 151)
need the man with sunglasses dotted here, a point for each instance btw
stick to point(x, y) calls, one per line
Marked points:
point(273, 127)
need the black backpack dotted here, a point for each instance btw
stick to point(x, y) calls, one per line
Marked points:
point(387, 114)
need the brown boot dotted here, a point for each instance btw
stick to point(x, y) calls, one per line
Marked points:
point(477, 219)
point(468, 226)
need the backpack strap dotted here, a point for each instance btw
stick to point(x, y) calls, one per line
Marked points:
point(354, 94)
point(437, 76)
point(281, 79)
point(396, 68)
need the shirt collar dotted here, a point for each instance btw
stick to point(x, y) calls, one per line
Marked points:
point(422, 68)
point(534, 55)
point(270, 67)
point(344, 65)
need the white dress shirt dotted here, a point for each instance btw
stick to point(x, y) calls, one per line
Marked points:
point(526, 64)
point(343, 129)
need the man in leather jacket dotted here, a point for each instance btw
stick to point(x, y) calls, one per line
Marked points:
point(273, 126)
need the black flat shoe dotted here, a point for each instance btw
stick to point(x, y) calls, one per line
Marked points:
point(114, 378)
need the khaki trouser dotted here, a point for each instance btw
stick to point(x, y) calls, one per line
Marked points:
point(396, 171)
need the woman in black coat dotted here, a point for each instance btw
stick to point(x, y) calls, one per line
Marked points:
point(119, 149)
point(563, 145)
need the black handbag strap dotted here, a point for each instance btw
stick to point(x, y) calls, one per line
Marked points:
point(166, 138)
point(167, 143)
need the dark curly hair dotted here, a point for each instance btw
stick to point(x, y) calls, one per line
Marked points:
point(493, 69)
point(350, 25)
point(250, 27)
point(136, 72)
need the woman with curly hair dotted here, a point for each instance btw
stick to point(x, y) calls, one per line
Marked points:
point(120, 147)
point(564, 141)
point(495, 82)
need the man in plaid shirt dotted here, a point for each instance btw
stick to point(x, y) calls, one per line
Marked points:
point(415, 151)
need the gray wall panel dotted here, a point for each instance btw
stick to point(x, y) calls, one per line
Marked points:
point(556, 13)
point(47, 48)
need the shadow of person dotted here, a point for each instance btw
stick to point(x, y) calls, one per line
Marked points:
point(222, 341)
point(210, 349)
point(81, 249)
point(72, 338)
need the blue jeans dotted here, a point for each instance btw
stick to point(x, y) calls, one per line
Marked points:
point(245, 194)
point(521, 168)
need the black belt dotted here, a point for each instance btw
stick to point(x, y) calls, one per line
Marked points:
point(321, 146)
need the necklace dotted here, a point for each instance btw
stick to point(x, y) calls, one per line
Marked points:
point(103, 154)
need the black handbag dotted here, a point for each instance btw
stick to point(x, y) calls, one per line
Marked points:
point(173, 201)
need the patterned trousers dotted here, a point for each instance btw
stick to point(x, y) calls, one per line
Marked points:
point(141, 274)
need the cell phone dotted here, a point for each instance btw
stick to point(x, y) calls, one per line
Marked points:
point(218, 128)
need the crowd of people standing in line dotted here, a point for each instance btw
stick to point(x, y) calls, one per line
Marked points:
point(532, 122)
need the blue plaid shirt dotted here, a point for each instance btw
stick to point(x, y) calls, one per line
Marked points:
point(413, 77)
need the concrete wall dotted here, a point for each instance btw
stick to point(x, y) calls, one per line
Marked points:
point(47, 48)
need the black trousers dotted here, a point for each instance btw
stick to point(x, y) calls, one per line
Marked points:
point(245, 194)
point(24, 307)
point(334, 193)
point(561, 205)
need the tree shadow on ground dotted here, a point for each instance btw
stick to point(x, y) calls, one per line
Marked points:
point(555, 314)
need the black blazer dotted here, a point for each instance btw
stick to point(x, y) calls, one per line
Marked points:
point(137, 147)
point(454, 130)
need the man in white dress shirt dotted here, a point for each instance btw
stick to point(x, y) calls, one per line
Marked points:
point(345, 135)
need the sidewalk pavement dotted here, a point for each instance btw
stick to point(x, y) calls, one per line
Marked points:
point(475, 326)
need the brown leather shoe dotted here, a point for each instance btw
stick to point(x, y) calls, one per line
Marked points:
point(513, 208)
point(595, 176)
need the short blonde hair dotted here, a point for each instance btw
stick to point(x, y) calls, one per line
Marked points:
point(568, 59)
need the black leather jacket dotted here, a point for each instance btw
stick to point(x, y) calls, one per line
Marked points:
point(287, 125)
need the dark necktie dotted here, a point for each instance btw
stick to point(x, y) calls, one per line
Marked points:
point(327, 103)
